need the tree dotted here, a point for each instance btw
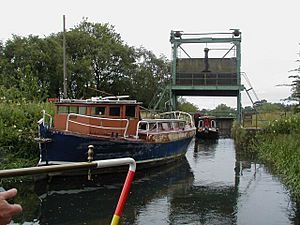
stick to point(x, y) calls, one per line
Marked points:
point(295, 96)
point(150, 77)
point(184, 105)
point(28, 62)
point(111, 61)
point(1, 62)
point(267, 107)
point(98, 63)
point(223, 110)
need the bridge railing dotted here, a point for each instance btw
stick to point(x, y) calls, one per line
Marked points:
point(206, 79)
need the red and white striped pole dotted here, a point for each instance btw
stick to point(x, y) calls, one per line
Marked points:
point(124, 194)
point(97, 164)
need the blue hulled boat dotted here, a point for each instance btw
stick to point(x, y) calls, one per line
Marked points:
point(113, 125)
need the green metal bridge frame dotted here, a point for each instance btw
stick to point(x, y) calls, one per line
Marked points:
point(179, 38)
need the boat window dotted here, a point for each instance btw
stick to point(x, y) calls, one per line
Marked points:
point(160, 126)
point(143, 126)
point(152, 126)
point(130, 111)
point(213, 123)
point(82, 110)
point(200, 123)
point(62, 109)
point(181, 125)
point(114, 111)
point(165, 126)
point(73, 109)
point(100, 110)
point(175, 125)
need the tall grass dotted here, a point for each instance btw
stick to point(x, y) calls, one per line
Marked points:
point(279, 146)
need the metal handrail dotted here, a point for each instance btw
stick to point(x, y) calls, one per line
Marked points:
point(147, 130)
point(137, 129)
point(44, 116)
point(69, 166)
point(97, 126)
point(177, 115)
point(81, 165)
point(194, 79)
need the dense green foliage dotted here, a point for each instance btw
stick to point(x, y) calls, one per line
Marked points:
point(98, 63)
point(267, 107)
point(295, 75)
point(220, 110)
point(184, 105)
point(223, 110)
point(18, 128)
point(239, 135)
point(279, 145)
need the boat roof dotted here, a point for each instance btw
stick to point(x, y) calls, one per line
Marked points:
point(209, 117)
point(162, 120)
point(100, 100)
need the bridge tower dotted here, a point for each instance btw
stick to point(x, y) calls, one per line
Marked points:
point(207, 76)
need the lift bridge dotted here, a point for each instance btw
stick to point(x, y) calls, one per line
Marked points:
point(207, 76)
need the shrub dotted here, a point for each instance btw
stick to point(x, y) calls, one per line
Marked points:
point(18, 128)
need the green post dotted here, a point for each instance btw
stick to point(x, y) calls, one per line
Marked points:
point(191, 88)
point(173, 70)
point(239, 108)
point(238, 68)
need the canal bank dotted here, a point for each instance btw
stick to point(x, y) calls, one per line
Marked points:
point(212, 185)
point(276, 145)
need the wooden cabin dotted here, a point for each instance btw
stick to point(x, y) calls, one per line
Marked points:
point(97, 117)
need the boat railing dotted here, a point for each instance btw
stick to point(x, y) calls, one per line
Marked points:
point(179, 115)
point(138, 128)
point(156, 127)
point(43, 119)
point(99, 164)
point(69, 120)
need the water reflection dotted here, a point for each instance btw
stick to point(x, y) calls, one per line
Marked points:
point(204, 205)
point(76, 201)
point(212, 185)
point(213, 197)
point(206, 147)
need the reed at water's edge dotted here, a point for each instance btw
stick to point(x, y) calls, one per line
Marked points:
point(278, 146)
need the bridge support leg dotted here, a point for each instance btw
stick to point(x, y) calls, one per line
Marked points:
point(174, 102)
point(239, 108)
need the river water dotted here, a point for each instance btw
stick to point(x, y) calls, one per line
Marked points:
point(211, 185)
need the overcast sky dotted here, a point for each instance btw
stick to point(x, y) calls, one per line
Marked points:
point(270, 30)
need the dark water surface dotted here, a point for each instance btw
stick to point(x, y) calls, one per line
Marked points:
point(212, 185)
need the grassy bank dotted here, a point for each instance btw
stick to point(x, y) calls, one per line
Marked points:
point(18, 128)
point(278, 146)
